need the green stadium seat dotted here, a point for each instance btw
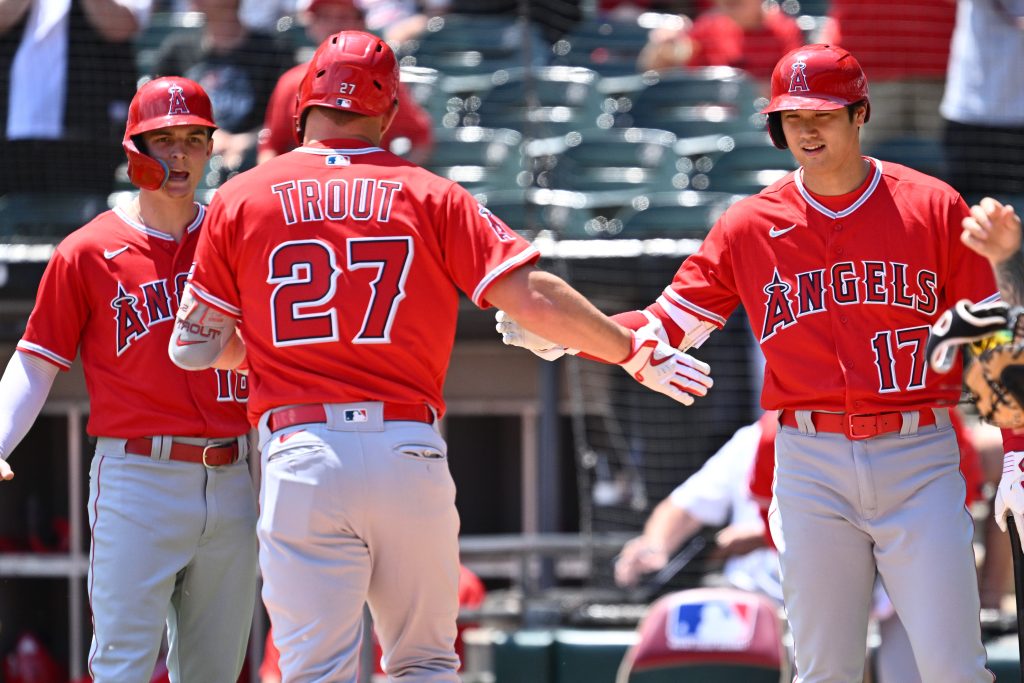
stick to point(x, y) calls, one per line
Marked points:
point(745, 163)
point(693, 102)
point(38, 216)
point(677, 215)
point(1004, 658)
point(540, 103)
point(161, 25)
point(477, 158)
point(525, 656)
point(609, 47)
point(590, 656)
point(459, 44)
point(636, 160)
point(921, 154)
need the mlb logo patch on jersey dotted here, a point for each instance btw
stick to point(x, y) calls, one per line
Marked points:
point(356, 415)
point(338, 160)
point(710, 624)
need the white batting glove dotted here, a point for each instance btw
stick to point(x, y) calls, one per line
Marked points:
point(659, 366)
point(1010, 494)
point(514, 334)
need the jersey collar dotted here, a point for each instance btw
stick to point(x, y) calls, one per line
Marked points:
point(821, 208)
point(339, 146)
point(192, 227)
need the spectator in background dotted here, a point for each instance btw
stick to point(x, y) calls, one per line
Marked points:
point(237, 67)
point(67, 74)
point(903, 48)
point(984, 100)
point(411, 128)
point(739, 33)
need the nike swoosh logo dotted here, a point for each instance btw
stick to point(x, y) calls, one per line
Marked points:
point(655, 361)
point(777, 232)
point(184, 342)
point(107, 254)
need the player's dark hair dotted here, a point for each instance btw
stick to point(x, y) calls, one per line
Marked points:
point(851, 109)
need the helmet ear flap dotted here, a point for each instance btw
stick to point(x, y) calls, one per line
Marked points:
point(775, 130)
point(144, 171)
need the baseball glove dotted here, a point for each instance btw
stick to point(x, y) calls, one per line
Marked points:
point(993, 334)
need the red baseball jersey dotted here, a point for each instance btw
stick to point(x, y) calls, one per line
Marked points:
point(344, 265)
point(840, 291)
point(111, 290)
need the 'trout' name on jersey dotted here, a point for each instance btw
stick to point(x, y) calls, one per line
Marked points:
point(359, 199)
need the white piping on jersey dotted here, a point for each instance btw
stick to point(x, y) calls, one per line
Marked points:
point(45, 352)
point(501, 268)
point(668, 296)
point(821, 208)
point(211, 300)
point(324, 151)
point(193, 226)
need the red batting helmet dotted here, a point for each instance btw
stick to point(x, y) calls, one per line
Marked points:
point(161, 103)
point(351, 71)
point(816, 77)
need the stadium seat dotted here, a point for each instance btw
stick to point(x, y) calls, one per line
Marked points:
point(32, 216)
point(634, 160)
point(540, 103)
point(161, 25)
point(477, 158)
point(707, 634)
point(693, 102)
point(608, 47)
point(744, 163)
point(525, 656)
point(677, 215)
point(459, 44)
point(921, 154)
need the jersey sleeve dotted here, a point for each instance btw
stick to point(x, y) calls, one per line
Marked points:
point(708, 494)
point(704, 287)
point(213, 275)
point(55, 325)
point(478, 247)
point(973, 278)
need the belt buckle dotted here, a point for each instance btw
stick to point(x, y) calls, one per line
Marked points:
point(206, 448)
point(857, 432)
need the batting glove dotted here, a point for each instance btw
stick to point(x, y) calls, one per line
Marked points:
point(659, 366)
point(1010, 494)
point(514, 334)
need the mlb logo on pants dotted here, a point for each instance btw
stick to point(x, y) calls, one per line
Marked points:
point(356, 415)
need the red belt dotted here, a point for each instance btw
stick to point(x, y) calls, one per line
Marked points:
point(857, 425)
point(314, 413)
point(211, 456)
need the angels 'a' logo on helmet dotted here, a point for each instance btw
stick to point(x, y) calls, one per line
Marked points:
point(798, 78)
point(177, 104)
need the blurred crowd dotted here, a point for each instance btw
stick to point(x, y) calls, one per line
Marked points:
point(944, 85)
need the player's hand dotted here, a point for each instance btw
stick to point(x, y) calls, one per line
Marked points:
point(661, 367)
point(992, 230)
point(6, 472)
point(638, 557)
point(738, 539)
point(1010, 494)
point(513, 334)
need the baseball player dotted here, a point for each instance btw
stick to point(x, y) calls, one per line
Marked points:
point(344, 263)
point(172, 511)
point(994, 231)
point(842, 266)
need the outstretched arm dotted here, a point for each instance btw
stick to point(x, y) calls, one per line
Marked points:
point(994, 231)
point(204, 337)
point(23, 390)
point(665, 530)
